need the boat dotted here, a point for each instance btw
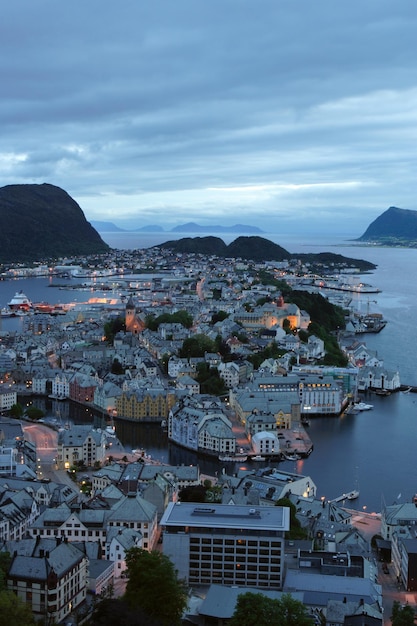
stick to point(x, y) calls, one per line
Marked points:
point(43, 307)
point(19, 302)
point(258, 457)
point(233, 458)
point(110, 431)
point(362, 406)
point(352, 495)
point(291, 457)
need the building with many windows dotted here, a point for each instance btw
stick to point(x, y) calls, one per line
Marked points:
point(50, 575)
point(80, 444)
point(226, 544)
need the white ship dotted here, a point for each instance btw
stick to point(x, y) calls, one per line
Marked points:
point(19, 302)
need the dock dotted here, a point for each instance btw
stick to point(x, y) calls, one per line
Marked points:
point(350, 495)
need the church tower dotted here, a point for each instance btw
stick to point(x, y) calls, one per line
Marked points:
point(133, 325)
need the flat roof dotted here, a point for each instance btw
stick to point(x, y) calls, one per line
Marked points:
point(275, 518)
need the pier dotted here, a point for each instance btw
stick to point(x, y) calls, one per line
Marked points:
point(350, 495)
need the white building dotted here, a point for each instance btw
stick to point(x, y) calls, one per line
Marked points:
point(8, 397)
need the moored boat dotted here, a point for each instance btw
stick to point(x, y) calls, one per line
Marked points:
point(292, 457)
point(352, 495)
point(233, 458)
point(362, 406)
point(20, 302)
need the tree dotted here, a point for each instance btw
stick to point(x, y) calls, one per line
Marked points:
point(153, 586)
point(16, 410)
point(112, 327)
point(193, 493)
point(197, 345)
point(34, 413)
point(117, 367)
point(14, 611)
point(296, 530)
point(402, 615)
point(116, 612)
point(256, 609)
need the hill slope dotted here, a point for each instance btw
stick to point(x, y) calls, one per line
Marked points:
point(259, 249)
point(40, 222)
point(393, 225)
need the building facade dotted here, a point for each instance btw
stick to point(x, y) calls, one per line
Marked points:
point(226, 544)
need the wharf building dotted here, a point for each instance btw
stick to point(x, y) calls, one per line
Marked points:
point(317, 394)
point(226, 544)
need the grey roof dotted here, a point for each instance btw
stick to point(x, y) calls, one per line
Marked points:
point(132, 508)
point(233, 517)
point(76, 436)
point(320, 588)
point(220, 601)
point(127, 537)
point(60, 556)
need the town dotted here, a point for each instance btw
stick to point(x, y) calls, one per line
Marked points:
point(218, 353)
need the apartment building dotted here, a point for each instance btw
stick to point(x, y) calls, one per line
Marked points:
point(226, 544)
point(50, 575)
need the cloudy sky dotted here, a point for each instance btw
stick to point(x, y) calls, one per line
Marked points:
point(277, 113)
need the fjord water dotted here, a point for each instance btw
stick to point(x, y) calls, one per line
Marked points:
point(375, 450)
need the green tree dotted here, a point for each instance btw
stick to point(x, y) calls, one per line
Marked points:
point(116, 367)
point(5, 561)
point(256, 609)
point(219, 316)
point(16, 410)
point(154, 587)
point(402, 615)
point(179, 317)
point(34, 413)
point(197, 345)
point(112, 327)
point(14, 611)
point(296, 530)
point(293, 612)
point(193, 493)
point(116, 612)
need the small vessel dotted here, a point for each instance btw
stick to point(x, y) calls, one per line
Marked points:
point(258, 457)
point(291, 457)
point(43, 307)
point(352, 495)
point(110, 431)
point(20, 302)
point(362, 406)
point(233, 458)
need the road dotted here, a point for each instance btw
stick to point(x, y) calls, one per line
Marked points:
point(46, 441)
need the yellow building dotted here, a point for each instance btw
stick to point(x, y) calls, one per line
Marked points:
point(151, 405)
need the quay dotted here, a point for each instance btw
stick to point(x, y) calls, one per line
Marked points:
point(293, 441)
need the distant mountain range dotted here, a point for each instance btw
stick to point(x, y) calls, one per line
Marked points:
point(394, 226)
point(189, 227)
point(42, 222)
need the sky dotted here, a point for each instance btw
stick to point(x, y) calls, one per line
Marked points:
point(280, 114)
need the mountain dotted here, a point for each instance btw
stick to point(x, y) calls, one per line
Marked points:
point(259, 249)
point(106, 227)
point(41, 222)
point(191, 227)
point(149, 229)
point(254, 248)
point(393, 226)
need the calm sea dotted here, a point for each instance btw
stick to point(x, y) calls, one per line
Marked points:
point(375, 450)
